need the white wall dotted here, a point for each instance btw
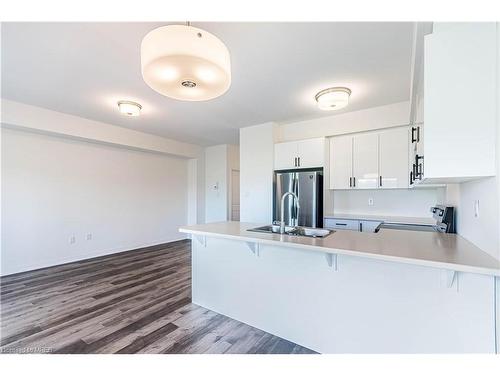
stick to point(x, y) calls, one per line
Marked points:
point(219, 161)
point(199, 186)
point(20, 115)
point(55, 188)
point(484, 230)
point(256, 172)
point(397, 202)
point(216, 188)
point(192, 193)
point(386, 116)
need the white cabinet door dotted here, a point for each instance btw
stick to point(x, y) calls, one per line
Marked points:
point(365, 161)
point(340, 162)
point(460, 101)
point(342, 224)
point(393, 160)
point(311, 153)
point(285, 155)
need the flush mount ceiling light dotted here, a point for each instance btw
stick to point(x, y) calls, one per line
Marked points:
point(185, 63)
point(333, 98)
point(129, 108)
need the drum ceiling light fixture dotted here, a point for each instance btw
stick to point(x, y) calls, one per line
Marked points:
point(129, 108)
point(185, 63)
point(333, 98)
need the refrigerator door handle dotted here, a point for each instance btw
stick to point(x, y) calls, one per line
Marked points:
point(296, 190)
point(315, 198)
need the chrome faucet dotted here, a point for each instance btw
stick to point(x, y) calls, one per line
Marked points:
point(282, 222)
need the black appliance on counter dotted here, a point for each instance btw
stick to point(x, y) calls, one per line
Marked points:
point(445, 218)
point(445, 222)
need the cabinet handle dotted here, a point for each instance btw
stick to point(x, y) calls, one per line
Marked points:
point(380, 181)
point(418, 170)
point(413, 130)
point(411, 177)
point(418, 134)
point(298, 161)
point(354, 182)
point(350, 181)
point(294, 162)
point(341, 224)
point(360, 226)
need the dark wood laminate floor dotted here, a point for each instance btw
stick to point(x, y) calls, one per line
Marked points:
point(133, 302)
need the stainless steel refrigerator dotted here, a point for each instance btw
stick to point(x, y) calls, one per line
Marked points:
point(308, 186)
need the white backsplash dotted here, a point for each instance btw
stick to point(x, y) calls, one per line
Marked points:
point(397, 202)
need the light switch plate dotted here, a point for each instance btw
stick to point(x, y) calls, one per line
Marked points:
point(476, 208)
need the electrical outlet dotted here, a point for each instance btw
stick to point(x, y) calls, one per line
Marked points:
point(88, 237)
point(370, 201)
point(72, 239)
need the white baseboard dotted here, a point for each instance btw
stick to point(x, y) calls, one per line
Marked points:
point(89, 255)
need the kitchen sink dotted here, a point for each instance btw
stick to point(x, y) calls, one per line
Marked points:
point(294, 231)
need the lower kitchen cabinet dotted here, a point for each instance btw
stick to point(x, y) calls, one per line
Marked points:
point(368, 225)
point(332, 223)
point(347, 224)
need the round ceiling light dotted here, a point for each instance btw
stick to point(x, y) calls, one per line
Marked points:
point(185, 63)
point(129, 108)
point(333, 98)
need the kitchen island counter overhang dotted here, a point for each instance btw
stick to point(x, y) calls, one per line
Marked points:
point(350, 292)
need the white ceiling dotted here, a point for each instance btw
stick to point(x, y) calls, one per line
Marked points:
point(85, 68)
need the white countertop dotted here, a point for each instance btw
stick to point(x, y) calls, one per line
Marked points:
point(384, 218)
point(432, 249)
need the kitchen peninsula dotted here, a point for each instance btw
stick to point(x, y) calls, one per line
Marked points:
point(350, 292)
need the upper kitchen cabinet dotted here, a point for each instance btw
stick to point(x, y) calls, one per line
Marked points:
point(341, 162)
point(308, 153)
point(285, 155)
point(311, 153)
point(365, 169)
point(393, 158)
point(460, 86)
point(420, 30)
point(373, 160)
